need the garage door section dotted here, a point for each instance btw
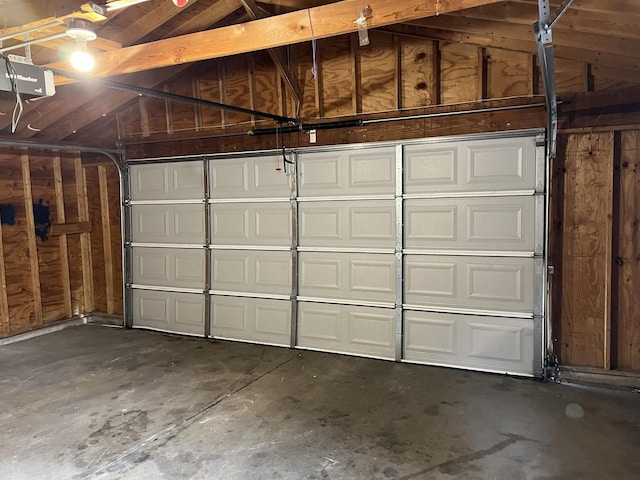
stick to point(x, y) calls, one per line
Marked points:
point(473, 246)
point(251, 250)
point(346, 253)
point(167, 258)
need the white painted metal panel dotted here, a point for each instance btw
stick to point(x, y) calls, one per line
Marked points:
point(470, 166)
point(251, 319)
point(490, 284)
point(349, 224)
point(168, 267)
point(261, 272)
point(167, 181)
point(478, 342)
point(479, 224)
point(367, 331)
point(260, 224)
point(173, 224)
point(347, 276)
point(366, 171)
point(169, 311)
point(252, 177)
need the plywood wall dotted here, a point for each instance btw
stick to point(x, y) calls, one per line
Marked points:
point(596, 250)
point(393, 73)
point(77, 268)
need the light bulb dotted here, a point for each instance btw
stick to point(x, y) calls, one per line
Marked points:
point(81, 59)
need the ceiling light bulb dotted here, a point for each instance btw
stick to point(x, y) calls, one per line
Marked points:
point(81, 59)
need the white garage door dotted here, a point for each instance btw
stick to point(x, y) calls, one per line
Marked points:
point(425, 251)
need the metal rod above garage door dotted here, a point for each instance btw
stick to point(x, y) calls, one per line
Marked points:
point(428, 251)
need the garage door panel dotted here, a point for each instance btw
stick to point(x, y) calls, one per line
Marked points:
point(169, 311)
point(353, 224)
point(174, 224)
point(365, 331)
point(251, 319)
point(369, 171)
point(168, 267)
point(347, 276)
point(478, 224)
point(254, 177)
point(490, 343)
point(471, 166)
point(256, 224)
point(259, 272)
point(167, 181)
point(500, 284)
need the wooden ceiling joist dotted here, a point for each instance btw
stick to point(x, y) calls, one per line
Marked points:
point(290, 28)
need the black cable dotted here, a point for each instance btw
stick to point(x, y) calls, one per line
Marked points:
point(19, 108)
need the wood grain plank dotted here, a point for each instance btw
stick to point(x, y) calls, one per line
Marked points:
point(628, 320)
point(294, 27)
point(587, 248)
point(64, 248)
point(509, 74)
point(337, 80)
point(69, 228)
point(5, 328)
point(460, 70)
point(378, 73)
point(98, 267)
point(49, 254)
point(105, 218)
point(113, 189)
point(85, 238)
point(31, 241)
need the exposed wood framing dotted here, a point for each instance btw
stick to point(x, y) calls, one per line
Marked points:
point(31, 241)
point(5, 326)
point(64, 249)
point(63, 229)
point(327, 21)
point(85, 239)
point(106, 237)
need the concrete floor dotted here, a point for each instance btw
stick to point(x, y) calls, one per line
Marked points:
point(104, 403)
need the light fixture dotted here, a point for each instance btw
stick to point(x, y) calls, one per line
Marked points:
point(82, 32)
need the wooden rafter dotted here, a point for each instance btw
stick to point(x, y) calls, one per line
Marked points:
point(290, 28)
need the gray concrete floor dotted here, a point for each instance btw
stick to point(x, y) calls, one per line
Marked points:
point(104, 403)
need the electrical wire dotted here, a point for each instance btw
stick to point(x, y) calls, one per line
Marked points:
point(19, 107)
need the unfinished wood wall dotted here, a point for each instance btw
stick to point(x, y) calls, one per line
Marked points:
point(394, 73)
point(596, 250)
point(77, 268)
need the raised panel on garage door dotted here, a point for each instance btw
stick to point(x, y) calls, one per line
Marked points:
point(489, 284)
point(252, 177)
point(367, 331)
point(499, 344)
point(348, 224)
point(169, 311)
point(259, 224)
point(246, 272)
point(479, 224)
point(368, 171)
point(347, 276)
point(170, 224)
point(168, 267)
point(167, 181)
point(470, 166)
point(251, 319)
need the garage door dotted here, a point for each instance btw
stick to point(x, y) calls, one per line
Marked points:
point(422, 251)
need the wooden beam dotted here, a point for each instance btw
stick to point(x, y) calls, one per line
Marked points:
point(85, 240)
point(5, 327)
point(64, 250)
point(62, 229)
point(295, 27)
point(32, 246)
point(277, 55)
point(105, 218)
